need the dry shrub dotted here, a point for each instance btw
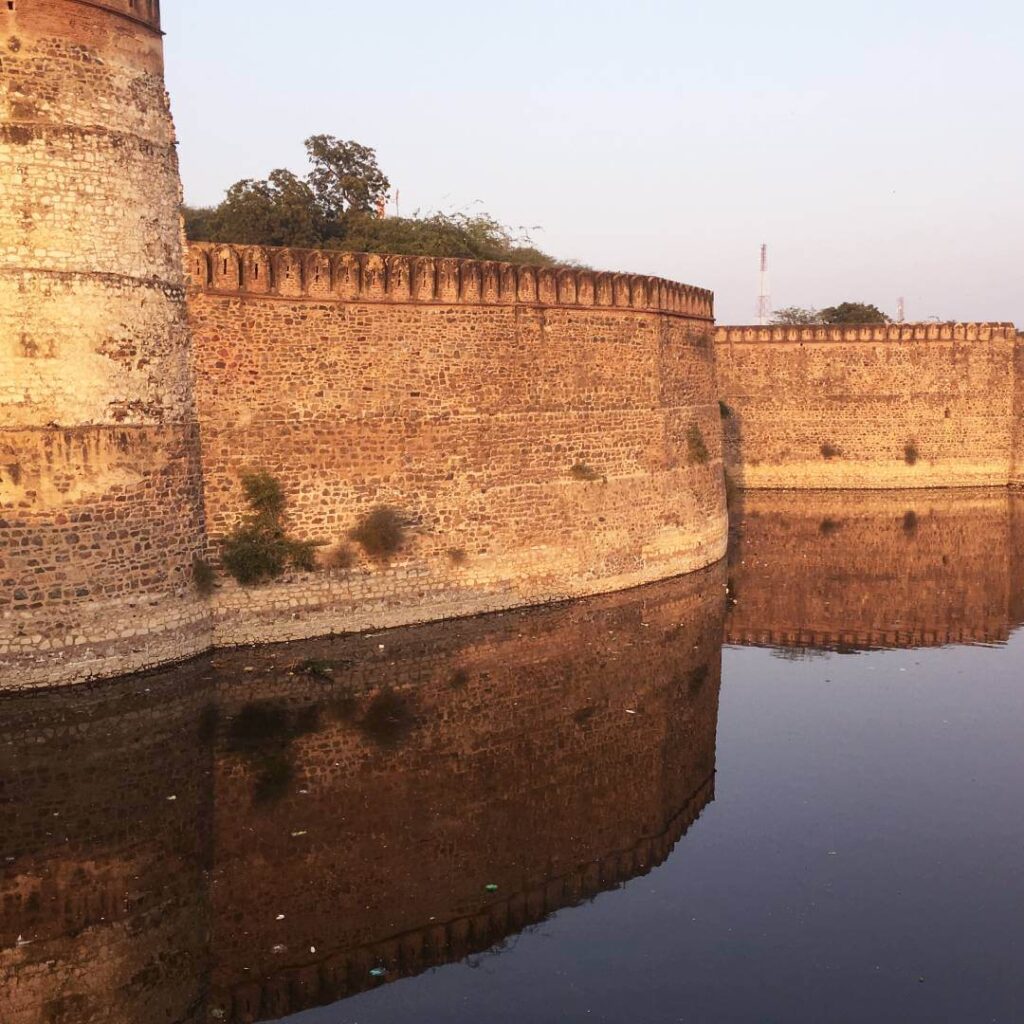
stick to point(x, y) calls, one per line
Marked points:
point(380, 533)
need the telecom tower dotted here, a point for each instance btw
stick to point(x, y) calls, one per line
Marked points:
point(764, 301)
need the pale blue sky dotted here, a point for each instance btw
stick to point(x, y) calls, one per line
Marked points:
point(877, 147)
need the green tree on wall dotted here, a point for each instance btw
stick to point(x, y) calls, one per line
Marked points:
point(853, 313)
point(339, 204)
point(345, 177)
point(796, 315)
point(844, 313)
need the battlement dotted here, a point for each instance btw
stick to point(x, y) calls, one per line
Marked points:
point(341, 974)
point(371, 277)
point(821, 333)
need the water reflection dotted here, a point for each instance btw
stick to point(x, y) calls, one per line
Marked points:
point(262, 832)
point(849, 571)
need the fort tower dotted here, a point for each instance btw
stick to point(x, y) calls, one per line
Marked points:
point(100, 486)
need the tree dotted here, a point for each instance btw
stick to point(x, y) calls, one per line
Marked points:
point(796, 315)
point(337, 206)
point(280, 210)
point(439, 234)
point(853, 313)
point(345, 177)
point(200, 222)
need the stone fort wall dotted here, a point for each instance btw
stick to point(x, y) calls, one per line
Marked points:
point(1017, 469)
point(532, 426)
point(100, 491)
point(535, 428)
point(893, 406)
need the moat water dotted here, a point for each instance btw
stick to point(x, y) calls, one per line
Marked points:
point(787, 789)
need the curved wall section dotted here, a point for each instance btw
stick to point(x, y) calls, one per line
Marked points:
point(100, 510)
point(545, 434)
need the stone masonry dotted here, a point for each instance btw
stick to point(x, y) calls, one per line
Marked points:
point(100, 489)
point(546, 434)
point(536, 428)
point(889, 406)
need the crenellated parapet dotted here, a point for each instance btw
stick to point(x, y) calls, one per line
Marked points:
point(342, 974)
point(372, 277)
point(830, 334)
point(856, 640)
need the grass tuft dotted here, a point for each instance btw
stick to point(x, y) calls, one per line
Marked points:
point(829, 527)
point(340, 557)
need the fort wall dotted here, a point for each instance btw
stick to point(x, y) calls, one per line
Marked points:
point(546, 434)
point(100, 490)
point(890, 406)
point(1017, 468)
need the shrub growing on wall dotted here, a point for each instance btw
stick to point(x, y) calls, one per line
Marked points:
point(380, 533)
point(696, 445)
point(259, 549)
point(582, 471)
point(203, 576)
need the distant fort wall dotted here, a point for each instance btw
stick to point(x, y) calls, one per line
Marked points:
point(889, 406)
point(545, 434)
point(1017, 469)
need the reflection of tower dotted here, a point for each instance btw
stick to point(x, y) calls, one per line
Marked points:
point(100, 511)
point(764, 301)
point(105, 915)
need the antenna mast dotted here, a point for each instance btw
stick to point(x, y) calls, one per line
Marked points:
point(901, 314)
point(764, 301)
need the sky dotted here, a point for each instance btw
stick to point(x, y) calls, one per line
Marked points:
point(876, 147)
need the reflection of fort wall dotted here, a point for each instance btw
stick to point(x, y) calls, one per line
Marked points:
point(367, 788)
point(101, 873)
point(518, 765)
point(1016, 559)
point(875, 569)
